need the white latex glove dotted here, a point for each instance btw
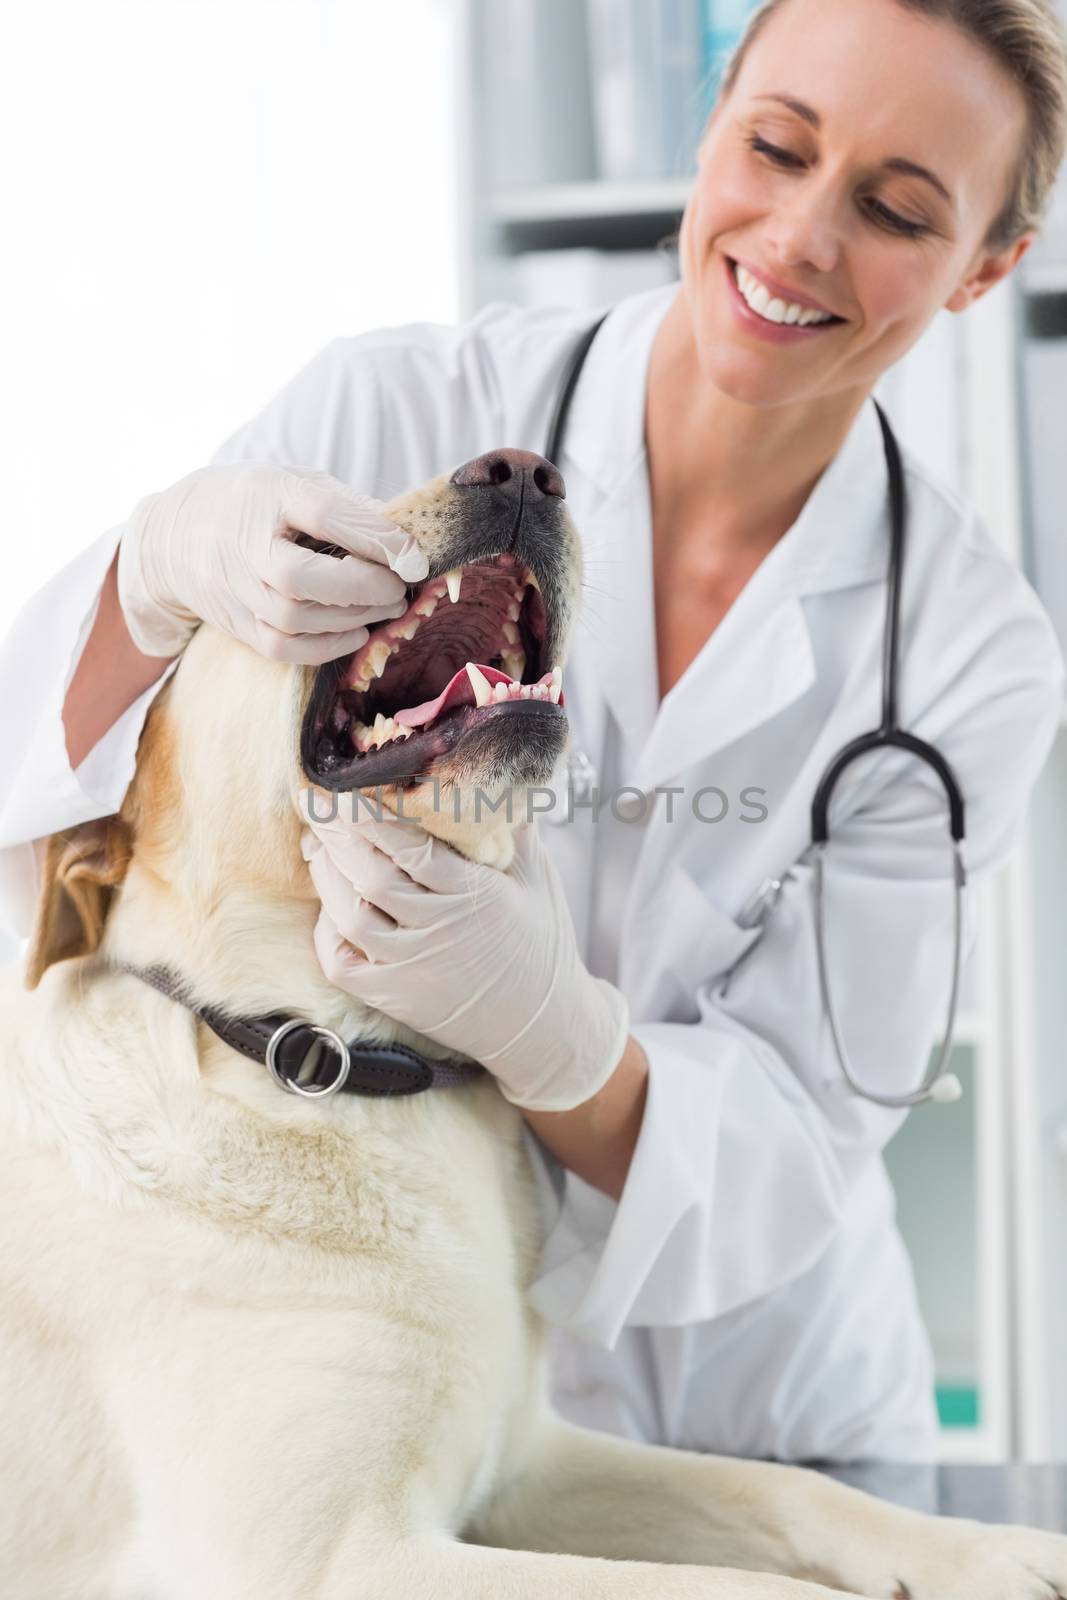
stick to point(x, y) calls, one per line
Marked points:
point(218, 547)
point(482, 961)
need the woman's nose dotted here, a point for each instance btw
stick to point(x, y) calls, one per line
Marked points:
point(514, 471)
point(804, 232)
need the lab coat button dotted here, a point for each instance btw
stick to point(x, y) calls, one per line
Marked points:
point(632, 805)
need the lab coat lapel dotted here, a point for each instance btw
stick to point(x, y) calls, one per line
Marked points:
point(615, 637)
point(760, 658)
point(758, 661)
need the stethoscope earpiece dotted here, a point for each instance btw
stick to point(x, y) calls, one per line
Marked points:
point(946, 1090)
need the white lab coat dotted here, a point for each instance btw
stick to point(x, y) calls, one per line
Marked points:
point(749, 1293)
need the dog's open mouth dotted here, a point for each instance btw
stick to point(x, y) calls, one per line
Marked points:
point(469, 649)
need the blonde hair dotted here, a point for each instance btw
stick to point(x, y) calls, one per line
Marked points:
point(1028, 40)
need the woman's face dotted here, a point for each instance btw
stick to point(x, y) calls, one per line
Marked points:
point(817, 199)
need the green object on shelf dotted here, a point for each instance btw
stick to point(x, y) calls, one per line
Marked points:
point(957, 1405)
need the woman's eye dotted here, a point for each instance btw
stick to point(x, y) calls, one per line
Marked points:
point(785, 157)
point(892, 219)
point(888, 218)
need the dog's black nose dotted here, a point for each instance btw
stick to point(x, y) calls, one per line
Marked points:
point(510, 470)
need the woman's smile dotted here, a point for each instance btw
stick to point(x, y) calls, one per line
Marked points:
point(772, 318)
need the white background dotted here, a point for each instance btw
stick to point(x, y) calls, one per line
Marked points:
point(197, 195)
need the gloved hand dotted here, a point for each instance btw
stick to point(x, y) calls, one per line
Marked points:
point(218, 547)
point(482, 961)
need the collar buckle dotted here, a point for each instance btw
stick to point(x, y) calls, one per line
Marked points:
point(336, 1043)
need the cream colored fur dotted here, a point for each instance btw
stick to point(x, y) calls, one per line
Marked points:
point(257, 1348)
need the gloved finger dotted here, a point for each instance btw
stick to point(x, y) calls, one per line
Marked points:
point(354, 521)
point(341, 962)
point(431, 862)
point(345, 890)
point(349, 969)
point(347, 866)
point(530, 860)
point(356, 919)
point(308, 649)
point(291, 616)
point(305, 574)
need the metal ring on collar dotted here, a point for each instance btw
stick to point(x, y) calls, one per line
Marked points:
point(326, 1033)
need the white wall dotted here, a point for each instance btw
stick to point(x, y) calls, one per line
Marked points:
point(196, 196)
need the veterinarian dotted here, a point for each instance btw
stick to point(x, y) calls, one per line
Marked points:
point(722, 1268)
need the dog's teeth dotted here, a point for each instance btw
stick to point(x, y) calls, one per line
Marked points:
point(453, 580)
point(513, 610)
point(511, 633)
point(483, 689)
point(427, 604)
point(514, 663)
point(500, 691)
point(377, 657)
point(532, 581)
point(408, 631)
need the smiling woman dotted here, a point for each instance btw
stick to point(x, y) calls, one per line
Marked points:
point(866, 165)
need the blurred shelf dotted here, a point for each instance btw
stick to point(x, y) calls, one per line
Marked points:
point(596, 214)
point(559, 201)
point(1048, 277)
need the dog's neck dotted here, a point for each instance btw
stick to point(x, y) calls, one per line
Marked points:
point(218, 892)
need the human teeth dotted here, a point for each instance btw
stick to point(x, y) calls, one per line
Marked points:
point(453, 580)
point(483, 689)
point(514, 663)
point(772, 310)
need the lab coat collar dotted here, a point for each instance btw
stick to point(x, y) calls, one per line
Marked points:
point(759, 659)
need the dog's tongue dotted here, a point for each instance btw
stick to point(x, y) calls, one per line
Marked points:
point(458, 691)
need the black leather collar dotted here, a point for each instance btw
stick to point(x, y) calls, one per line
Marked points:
point(313, 1061)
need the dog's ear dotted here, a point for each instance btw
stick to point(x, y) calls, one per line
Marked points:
point(82, 868)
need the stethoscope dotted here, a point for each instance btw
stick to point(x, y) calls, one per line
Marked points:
point(937, 1084)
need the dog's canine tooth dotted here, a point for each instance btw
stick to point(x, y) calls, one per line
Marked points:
point(483, 689)
point(453, 580)
point(377, 657)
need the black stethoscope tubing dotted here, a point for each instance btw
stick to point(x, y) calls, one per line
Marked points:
point(937, 1084)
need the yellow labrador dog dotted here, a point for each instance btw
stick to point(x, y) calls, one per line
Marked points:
point(270, 1345)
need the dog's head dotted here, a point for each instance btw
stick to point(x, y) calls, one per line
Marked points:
point(463, 690)
point(448, 707)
